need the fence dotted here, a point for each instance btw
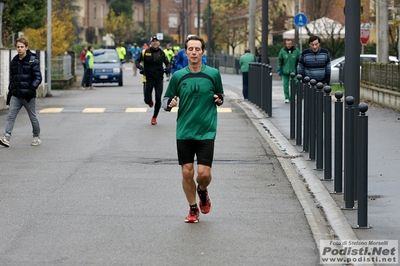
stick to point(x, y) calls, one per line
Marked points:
point(381, 75)
point(61, 67)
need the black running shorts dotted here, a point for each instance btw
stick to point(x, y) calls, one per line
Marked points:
point(203, 149)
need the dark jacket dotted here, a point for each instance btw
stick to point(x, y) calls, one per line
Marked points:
point(25, 76)
point(153, 63)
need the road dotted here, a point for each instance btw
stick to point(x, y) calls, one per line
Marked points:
point(104, 188)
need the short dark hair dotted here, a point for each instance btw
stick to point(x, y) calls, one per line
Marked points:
point(246, 50)
point(313, 38)
point(196, 38)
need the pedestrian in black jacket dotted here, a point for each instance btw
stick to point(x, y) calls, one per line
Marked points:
point(153, 63)
point(25, 77)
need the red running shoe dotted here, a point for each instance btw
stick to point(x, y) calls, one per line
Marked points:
point(151, 104)
point(154, 121)
point(193, 216)
point(205, 202)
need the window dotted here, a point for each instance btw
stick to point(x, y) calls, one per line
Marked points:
point(195, 22)
point(173, 21)
point(94, 11)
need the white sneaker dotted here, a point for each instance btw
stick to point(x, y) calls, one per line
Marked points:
point(287, 101)
point(36, 141)
point(83, 88)
point(4, 142)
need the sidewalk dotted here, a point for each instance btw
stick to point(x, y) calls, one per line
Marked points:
point(383, 167)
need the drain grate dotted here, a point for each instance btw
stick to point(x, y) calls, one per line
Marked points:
point(374, 197)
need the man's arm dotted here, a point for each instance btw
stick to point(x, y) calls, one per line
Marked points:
point(138, 61)
point(37, 75)
point(328, 71)
point(300, 65)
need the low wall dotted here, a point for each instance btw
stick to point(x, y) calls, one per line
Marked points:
point(381, 96)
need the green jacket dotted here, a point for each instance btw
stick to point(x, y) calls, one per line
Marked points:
point(288, 59)
point(244, 61)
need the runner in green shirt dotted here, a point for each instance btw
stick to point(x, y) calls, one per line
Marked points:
point(199, 89)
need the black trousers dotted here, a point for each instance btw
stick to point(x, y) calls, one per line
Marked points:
point(157, 85)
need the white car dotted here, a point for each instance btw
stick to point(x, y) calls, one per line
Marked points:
point(335, 64)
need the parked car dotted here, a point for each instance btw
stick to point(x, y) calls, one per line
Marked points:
point(336, 63)
point(107, 67)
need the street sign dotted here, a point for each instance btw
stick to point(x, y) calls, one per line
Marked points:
point(364, 36)
point(300, 20)
point(160, 36)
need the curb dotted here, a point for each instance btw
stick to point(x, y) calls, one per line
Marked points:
point(326, 220)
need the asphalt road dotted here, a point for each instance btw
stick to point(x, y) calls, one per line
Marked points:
point(104, 188)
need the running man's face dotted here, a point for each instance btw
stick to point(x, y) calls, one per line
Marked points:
point(21, 49)
point(155, 44)
point(194, 51)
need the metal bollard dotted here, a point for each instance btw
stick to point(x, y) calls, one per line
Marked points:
point(306, 126)
point(338, 176)
point(349, 154)
point(299, 108)
point(328, 133)
point(362, 212)
point(263, 86)
point(268, 108)
point(319, 162)
point(257, 100)
point(313, 119)
point(292, 106)
point(251, 82)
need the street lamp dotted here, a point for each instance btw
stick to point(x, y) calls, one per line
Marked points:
point(1, 23)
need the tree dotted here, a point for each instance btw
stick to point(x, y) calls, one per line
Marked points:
point(18, 15)
point(62, 31)
point(316, 9)
point(234, 29)
point(120, 27)
point(121, 7)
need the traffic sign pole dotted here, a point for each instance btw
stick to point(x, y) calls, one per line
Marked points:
point(300, 20)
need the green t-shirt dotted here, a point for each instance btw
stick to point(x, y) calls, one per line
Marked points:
point(197, 113)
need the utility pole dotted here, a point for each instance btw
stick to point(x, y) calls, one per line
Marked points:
point(252, 26)
point(183, 23)
point(159, 16)
point(264, 49)
point(198, 18)
point(149, 18)
point(209, 29)
point(296, 29)
point(382, 21)
point(49, 48)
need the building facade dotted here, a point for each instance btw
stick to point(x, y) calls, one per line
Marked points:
point(93, 13)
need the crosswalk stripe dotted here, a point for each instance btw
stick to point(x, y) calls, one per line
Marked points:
point(136, 110)
point(93, 110)
point(104, 110)
point(51, 110)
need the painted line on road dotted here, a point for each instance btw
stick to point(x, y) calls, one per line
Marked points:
point(105, 110)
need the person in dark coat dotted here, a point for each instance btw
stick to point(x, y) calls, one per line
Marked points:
point(153, 63)
point(25, 78)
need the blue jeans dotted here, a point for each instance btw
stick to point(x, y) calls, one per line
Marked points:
point(16, 105)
